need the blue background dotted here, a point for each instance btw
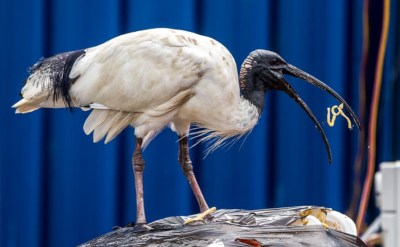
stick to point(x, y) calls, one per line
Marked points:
point(59, 189)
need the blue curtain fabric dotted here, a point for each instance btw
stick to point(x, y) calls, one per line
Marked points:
point(60, 189)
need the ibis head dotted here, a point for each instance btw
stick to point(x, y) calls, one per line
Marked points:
point(264, 70)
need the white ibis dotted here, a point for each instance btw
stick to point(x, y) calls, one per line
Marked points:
point(155, 78)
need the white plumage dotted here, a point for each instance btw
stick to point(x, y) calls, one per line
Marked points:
point(163, 77)
point(149, 79)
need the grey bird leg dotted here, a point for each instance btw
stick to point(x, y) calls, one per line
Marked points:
point(187, 168)
point(138, 167)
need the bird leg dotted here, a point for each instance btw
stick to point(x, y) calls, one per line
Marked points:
point(187, 168)
point(138, 167)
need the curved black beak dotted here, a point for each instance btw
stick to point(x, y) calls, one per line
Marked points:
point(296, 72)
point(289, 90)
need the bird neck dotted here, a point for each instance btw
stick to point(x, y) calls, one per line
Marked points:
point(251, 85)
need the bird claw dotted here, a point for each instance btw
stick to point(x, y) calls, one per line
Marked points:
point(200, 217)
point(136, 227)
point(142, 228)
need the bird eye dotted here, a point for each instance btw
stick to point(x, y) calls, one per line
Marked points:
point(274, 61)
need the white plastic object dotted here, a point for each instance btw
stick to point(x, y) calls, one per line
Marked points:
point(340, 222)
point(390, 203)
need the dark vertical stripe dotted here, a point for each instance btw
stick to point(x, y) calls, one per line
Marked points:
point(44, 142)
point(123, 16)
point(348, 70)
point(198, 16)
point(396, 83)
point(272, 110)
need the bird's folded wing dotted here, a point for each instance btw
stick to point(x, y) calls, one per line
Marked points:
point(105, 121)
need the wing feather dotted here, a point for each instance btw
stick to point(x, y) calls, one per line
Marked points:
point(101, 130)
point(119, 125)
point(96, 117)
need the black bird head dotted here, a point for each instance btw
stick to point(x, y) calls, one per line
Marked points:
point(264, 70)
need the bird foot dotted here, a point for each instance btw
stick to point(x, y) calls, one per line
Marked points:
point(201, 217)
point(141, 227)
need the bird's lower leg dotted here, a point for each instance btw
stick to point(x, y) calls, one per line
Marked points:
point(138, 167)
point(187, 168)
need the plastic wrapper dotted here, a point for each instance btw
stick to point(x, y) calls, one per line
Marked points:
point(293, 226)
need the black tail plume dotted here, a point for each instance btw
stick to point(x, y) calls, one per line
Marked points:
point(57, 69)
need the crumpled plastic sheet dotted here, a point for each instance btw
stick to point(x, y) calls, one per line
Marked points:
point(232, 227)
